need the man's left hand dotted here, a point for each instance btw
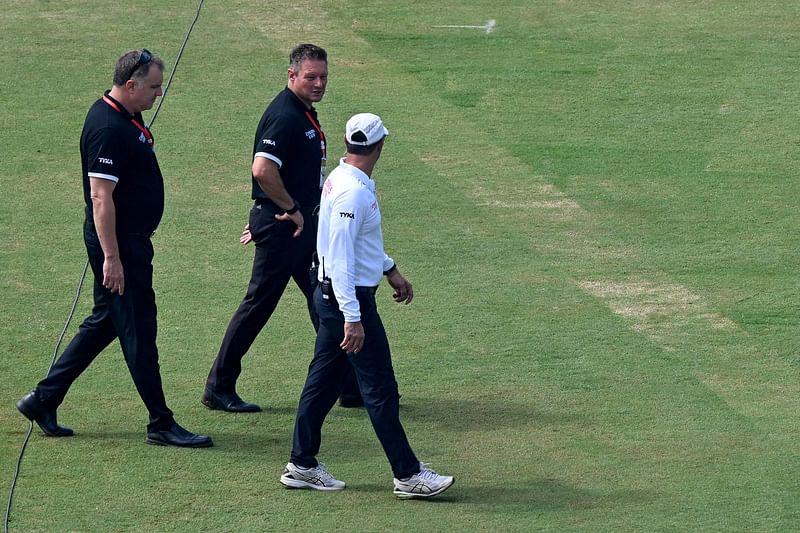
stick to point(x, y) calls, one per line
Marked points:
point(246, 236)
point(297, 218)
point(403, 292)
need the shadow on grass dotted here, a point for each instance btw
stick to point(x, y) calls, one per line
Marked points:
point(524, 495)
point(340, 433)
point(453, 415)
point(470, 414)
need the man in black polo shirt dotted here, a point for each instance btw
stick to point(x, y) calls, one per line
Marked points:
point(289, 156)
point(124, 194)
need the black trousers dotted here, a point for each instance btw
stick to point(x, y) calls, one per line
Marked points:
point(130, 317)
point(279, 257)
point(376, 381)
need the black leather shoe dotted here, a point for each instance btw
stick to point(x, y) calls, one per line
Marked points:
point(33, 410)
point(177, 436)
point(351, 401)
point(228, 402)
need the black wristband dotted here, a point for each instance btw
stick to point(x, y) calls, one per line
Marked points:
point(387, 272)
point(294, 209)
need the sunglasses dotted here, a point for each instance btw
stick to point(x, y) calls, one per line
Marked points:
point(144, 58)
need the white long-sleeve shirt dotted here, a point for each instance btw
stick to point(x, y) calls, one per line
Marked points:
point(349, 237)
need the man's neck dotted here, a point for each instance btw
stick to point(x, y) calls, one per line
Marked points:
point(308, 104)
point(118, 94)
point(365, 164)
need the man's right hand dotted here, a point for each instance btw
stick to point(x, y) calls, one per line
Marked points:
point(113, 275)
point(353, 337)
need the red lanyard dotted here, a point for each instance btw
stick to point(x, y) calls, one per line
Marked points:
point(145, 131)
point(322, 135)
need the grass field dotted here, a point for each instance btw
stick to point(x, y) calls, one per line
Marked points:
point(597, 203)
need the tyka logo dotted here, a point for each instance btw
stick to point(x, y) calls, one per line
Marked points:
point(346, 215)
point(311, 134)
point(105, 160)
point(269, 142)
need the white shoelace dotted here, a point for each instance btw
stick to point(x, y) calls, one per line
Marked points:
point(323, 473)
point(426, 473)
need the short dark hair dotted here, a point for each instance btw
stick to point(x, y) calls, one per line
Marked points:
point(302, 52)
point(130, 66)
point(360, 149)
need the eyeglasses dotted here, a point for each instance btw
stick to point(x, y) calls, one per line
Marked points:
point(144, 58)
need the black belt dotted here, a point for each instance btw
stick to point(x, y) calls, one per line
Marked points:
point(266, 201)
point(123, 233)
point(369, 290)
point(363, 291)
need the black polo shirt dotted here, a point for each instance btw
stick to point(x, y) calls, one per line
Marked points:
point(290, 135)
point(116, 145)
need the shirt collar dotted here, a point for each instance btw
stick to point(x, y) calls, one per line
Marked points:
point(299, 103)
point(121, 108)
point(359, 175)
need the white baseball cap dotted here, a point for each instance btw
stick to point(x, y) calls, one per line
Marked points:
point(365, 129)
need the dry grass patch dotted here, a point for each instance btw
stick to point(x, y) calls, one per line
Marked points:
point(659, 310)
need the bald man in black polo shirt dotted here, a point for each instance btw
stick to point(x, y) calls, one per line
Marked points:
point(289, 156)
point(124, 194)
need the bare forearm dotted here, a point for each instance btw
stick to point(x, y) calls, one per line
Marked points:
point(266, 174)
point(105, 222)
point(277, 193)
point(269, 179)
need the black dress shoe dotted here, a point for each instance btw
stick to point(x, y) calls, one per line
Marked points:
point(33, 410)
point(177, 436)
point(228, 402)
point(351, 401)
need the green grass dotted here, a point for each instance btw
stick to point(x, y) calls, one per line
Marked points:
point(596, 203)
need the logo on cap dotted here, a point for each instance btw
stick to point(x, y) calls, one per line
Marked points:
point(365, 129)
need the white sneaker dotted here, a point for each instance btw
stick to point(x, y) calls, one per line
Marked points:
point(318, 478)
point(423, 485)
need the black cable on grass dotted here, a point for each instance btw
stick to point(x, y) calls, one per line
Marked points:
point(177, 60)
point(30, 424)
point(83, 278)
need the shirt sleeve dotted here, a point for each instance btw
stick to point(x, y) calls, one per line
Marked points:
point(347, 216)
point(275, 139)
point(105, 155)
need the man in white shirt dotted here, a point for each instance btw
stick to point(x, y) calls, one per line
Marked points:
point(352, 264)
